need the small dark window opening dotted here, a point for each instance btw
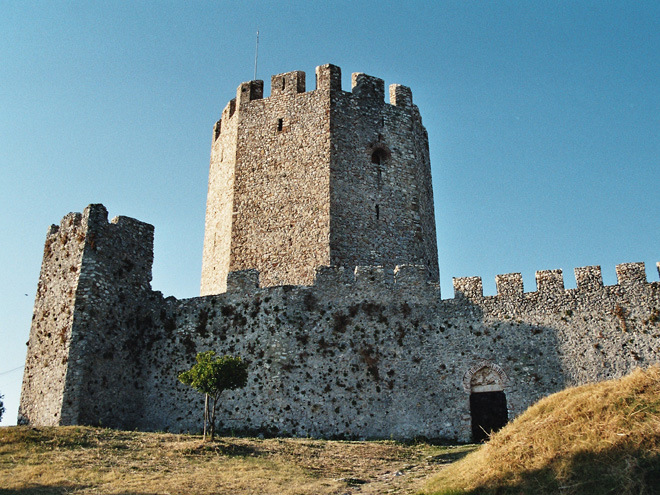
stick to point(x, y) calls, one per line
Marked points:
point(283, 83)
point(377, 158)
point(280, 123)
point(377, 212)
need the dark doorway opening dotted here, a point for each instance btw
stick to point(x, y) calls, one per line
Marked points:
point(489, 414)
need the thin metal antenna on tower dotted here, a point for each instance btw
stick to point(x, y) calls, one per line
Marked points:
point(256, 56)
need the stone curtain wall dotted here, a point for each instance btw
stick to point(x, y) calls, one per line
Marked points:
point(368, 352)
point(378, 354)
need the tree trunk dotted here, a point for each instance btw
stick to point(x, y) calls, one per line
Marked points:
point(206, 413)
point(215, 401)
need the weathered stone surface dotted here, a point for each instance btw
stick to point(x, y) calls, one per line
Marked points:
point(93, 302)
point(338, 314)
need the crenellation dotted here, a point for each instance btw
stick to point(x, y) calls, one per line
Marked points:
point(249, 91)
point(411, 274)
point(468, 287)
point(243, 281)
point(328, 78)
point(289, 83)
point(401, 96)
point(228, 111)
point(549, 281)
point(368, 87)
point(52, 230)
point(71, 220)
point(589, 278)
point(333, 276)
point(374, 275)
point(509, 285)
point(95, 216)
point(630, 274)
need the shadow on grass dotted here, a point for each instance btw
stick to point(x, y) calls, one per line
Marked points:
point(55, 490)
point(225, 449)
point(587, 473)
point(48, 437)
point(44, 490)
point(452, 456)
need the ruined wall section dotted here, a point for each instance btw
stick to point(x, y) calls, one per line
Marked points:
point(114, 318)
point(381, 199)
point(108, 308)
point(220, 203)
point(50, 335)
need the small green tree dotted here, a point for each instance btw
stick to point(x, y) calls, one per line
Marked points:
point(212, 375)
point(2, 406)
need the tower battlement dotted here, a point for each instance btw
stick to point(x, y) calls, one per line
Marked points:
point(328, 79)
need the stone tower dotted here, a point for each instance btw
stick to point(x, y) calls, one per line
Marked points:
point(303, 179)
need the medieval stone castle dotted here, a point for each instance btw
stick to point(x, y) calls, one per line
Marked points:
point(320, 269)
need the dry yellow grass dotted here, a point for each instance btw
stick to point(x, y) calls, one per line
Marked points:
point(600, 438)
point(81, 460)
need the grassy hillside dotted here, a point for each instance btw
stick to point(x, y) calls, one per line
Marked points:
point(596, 439)
point(81, 460)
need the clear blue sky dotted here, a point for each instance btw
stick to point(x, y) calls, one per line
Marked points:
point(543, 119)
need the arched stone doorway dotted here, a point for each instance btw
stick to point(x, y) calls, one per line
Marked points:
point(488, 410)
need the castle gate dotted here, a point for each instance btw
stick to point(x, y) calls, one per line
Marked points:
point(488, 410)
